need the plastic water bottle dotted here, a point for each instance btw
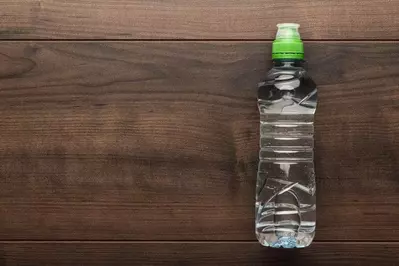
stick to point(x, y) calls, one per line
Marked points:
point(286, 186)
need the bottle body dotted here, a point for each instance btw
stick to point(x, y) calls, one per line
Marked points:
point(285, 207)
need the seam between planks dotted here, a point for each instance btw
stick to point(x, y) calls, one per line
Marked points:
point(202, 40)
point(184, 242)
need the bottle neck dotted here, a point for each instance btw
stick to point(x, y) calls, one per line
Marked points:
point(288, 62)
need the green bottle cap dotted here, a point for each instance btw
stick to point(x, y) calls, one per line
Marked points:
point(288, 43)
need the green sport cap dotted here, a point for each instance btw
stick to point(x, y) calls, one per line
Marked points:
point(288, 43)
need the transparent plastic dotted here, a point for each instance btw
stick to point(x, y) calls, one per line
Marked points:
point(288, 31)
point(286, 186)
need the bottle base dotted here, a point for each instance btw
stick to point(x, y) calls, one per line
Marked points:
point(274, 241)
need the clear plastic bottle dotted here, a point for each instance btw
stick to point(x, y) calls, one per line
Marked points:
point(286, 186)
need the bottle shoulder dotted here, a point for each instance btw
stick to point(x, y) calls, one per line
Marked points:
point(279, 72)
point(288, 86)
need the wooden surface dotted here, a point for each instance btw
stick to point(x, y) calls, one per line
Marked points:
point(200, 253)
point(198, 19)
point(122, 144)
point(158, 141)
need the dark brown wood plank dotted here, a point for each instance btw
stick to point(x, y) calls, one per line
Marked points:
point(159, 141)
point(198, 19)
point(195, 254)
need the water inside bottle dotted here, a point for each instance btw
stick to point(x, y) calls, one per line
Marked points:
point(285, 196)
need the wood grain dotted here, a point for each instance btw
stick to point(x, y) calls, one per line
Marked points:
point(198, 19)
point(158, 141)
point(207, 253)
